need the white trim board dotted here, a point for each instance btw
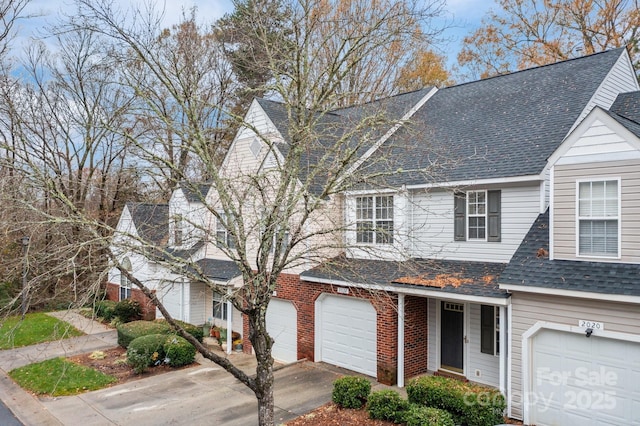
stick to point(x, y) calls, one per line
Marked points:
point(623, 298)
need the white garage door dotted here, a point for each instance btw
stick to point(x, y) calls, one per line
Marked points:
point(282, 327)
point(173, 300)
point(584, 381)
point(346, 335)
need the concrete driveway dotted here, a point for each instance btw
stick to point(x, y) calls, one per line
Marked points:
point(196, 396)
point(201, 395)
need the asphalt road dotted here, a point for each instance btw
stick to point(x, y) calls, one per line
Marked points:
point(6, 417)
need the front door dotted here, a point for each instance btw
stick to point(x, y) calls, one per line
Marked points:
point(452, 336)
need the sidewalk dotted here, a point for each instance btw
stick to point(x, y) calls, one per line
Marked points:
point(26, 407)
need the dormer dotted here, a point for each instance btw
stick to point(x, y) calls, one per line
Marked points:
point(595, 187)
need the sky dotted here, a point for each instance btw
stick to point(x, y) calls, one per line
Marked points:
point(461, 17)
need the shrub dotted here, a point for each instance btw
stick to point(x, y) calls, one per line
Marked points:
point(193, 330)
point(419, 415)
point(145, 351)
point(105, 309)
point(387, 405)
point(131, 330)
point(128, 310)
point(469, 404)
point(178, 351)
point(350, 391)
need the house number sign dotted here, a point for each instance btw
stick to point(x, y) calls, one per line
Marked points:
point(591, 324)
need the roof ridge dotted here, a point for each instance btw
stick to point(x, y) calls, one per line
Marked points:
point(537, 67)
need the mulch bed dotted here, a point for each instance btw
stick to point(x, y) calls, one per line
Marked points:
point(114, 364)
point(332, 415)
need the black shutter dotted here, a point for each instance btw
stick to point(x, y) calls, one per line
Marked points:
point(487, 330)
point(493, 215)
point(460, 216)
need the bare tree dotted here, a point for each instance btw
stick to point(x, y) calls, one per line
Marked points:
point(280, 215)
point(533, 32)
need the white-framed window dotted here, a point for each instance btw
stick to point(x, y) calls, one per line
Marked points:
point(125, 283)
point(374, 219)
point(477, 215)
point(223, 237)
point(490, 330)
point(178, 232)
point(219, 307)
point(598, 218)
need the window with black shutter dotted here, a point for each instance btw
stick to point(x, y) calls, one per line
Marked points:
point(477, 215)
point(489, 330)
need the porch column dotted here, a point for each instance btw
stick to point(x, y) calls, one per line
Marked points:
point(229, 324)
point(400, 340)
point(503, 349)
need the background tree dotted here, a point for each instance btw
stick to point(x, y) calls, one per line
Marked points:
point(426, 69)
point(526, 33)
point(335, 53)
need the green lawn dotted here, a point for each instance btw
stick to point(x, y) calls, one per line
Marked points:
point(59, 377)
point(35, 328)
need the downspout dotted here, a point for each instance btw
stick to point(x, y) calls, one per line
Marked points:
point(400, 340)
point(229, 322)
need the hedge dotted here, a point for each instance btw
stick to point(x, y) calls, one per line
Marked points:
point(469, 404)
point(193, 330)
point(128, 310)
point(350, 391)
point(387, 405)
point(145, 351)
point(419, 415)
point(178, 351)
point(105, 309)
point(129, 331)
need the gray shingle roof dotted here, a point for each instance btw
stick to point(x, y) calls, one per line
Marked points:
point(627, 105)
point(151, 221)
point(194, 193)
point(531, 267)
point(446, 276)
point(626, 111)
point(336, 124)
point(219, 270)
point(498, 127)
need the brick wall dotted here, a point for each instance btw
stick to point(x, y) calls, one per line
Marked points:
point(303, 294)
point(148, 309)
point(415, 336)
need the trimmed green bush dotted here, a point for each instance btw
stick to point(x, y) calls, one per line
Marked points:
point(351, 392)
point(128, 310)
point(178, 351)
point(145, 351)
point(419, 415)
point(105, 309)
point(193, 330)
point(469, 404)
point(387, 405)
point(129, 331)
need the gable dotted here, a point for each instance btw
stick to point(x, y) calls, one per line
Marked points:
point(248, 148)
point(599, 138)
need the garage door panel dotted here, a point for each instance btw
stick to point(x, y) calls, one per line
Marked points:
point(282, 327)
point(586, 381)
point(347, 335)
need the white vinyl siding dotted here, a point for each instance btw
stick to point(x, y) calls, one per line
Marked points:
point(434, 336)
point(197, 310)
point(621, 79)
point(564, 205)
point(432, 225)
point(481, 368)
point(527, 309)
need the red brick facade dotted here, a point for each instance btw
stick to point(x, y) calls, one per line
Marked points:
point(147, 308)
point(304, 294)
point(416, 333)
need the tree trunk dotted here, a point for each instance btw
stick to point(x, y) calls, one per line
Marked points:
point(262, 344)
